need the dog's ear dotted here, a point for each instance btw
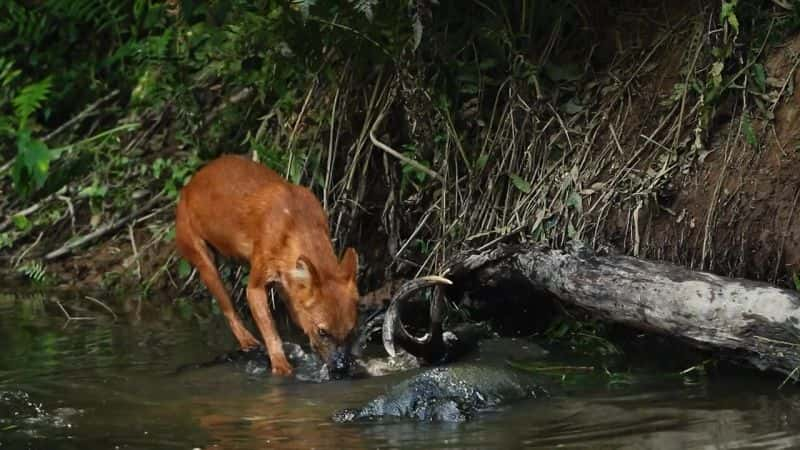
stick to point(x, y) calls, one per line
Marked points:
point(349, 263)
point(303, 274)
point(299, 280)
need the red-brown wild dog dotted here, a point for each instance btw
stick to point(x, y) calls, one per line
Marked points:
point(248, 212)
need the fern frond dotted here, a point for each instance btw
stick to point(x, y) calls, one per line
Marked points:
point(7, 72)
point(34, 270)
point(25, 24)
point(30, 99)
point(99, 13)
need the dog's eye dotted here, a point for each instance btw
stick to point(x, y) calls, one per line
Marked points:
point(323, 333)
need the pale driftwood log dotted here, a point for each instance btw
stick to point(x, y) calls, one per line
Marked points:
point(748, 321)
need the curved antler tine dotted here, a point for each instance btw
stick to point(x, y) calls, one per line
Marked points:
point(393, 326)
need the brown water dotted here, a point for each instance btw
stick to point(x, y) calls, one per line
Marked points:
point(106, 384)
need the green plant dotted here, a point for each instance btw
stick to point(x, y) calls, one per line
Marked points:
point(33, 158)
point(5, 240)
point(32, 164)
point(586, 337)
point(174, 173)
point(34, 271)
point(412, 176)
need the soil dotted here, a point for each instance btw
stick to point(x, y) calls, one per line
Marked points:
point(736, 213)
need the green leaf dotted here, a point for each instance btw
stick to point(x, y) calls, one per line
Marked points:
point(170, 236)
point(519, 183)
point(574, 200)
point(184, 269)
point(571, 231)
point(7, 72)
point(728, 13)
point(734, 23)
point(481, 162)
point(93, 191)
point(716, 73)
point(21, 222)
point(759, 76)
point(158, 166)
point(747, 129)
point(32, 164)
point(796, 280)
point(411, 172)
point(5, 240)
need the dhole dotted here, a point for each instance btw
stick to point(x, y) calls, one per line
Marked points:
point(248, 212)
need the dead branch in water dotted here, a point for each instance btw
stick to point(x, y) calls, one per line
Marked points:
point(746, 321)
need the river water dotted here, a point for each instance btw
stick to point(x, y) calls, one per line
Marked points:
point(103, 381)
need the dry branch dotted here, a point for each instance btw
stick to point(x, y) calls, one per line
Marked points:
point(399, 155)
point(81, 115)
point(103, 230)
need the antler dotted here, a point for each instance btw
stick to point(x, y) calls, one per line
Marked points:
point(431, 344)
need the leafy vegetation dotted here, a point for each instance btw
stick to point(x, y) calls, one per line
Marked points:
point(440, 124)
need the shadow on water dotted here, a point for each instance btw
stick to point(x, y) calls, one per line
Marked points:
point(97, 381)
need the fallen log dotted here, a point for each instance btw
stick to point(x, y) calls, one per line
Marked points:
point(747, 321)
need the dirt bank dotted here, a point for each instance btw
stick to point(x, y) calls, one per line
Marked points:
point(733, 210)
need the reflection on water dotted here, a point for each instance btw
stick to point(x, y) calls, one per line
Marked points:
point(104, 384)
